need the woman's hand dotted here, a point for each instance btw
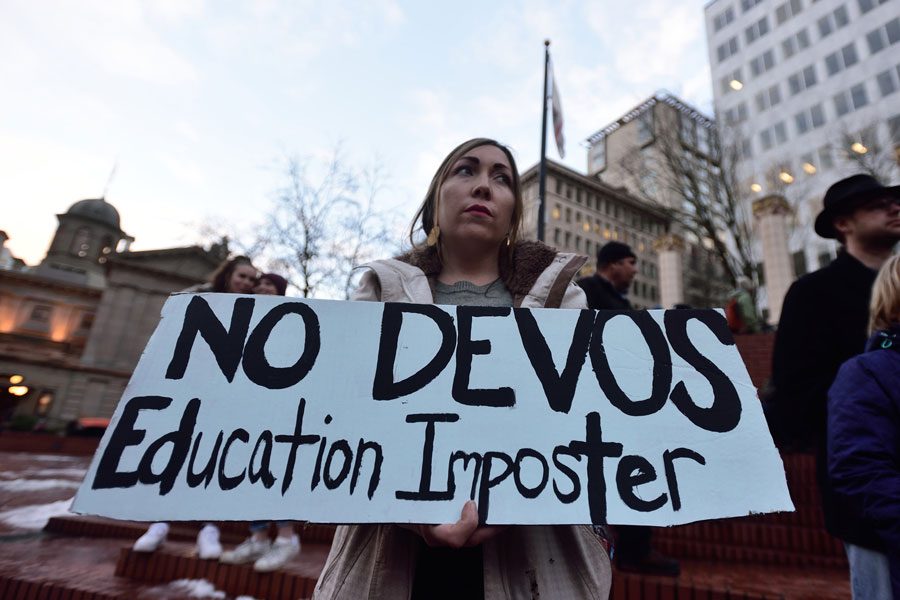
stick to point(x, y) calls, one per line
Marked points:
point(464, 532)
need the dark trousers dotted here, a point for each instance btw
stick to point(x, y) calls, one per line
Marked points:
point(633, 541)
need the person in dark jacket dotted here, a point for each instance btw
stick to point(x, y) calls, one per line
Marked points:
point(824, 320)
point(864, 445)
point(607, 289)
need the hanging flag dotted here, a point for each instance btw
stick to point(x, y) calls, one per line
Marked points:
point(556, 107)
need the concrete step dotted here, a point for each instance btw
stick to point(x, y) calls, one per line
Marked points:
point(297, 580)
point(231, 532)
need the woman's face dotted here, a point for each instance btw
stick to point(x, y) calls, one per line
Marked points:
point(242, 280)
point(476, 200)
point(264, 286)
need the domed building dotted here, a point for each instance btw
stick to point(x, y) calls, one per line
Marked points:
point(73, 327)
point(87, 233)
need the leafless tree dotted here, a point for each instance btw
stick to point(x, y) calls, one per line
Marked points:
point(863, 150)
point(321, 228)
point(690, 172)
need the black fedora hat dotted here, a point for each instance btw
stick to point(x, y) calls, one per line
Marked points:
point(845, 196)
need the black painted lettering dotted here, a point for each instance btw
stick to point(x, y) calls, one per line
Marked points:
point(633, 471)
point(669, 457)
point(465, 457)
point(595, 449)
point(205, 476)
point(227, 345)
point(230, 482)
point(525, 491)
point(488, 481)
point(725, 412)
point(265, 472)
point(425, 492)
point(124, 435)
point(342, 446)
point(466, 348)
point(297, 439)
point(257, 366)
point(376, 468)
point(558, 388)
point(659, 352)
point(384, 387)
point(568, 497)
point(180, 439)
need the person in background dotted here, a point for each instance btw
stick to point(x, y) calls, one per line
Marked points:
point(234, 276)
point(864, 445)
point(824, 321)
point(741, 310)
point(258, 549)
point(607, 289)
point(472, 255)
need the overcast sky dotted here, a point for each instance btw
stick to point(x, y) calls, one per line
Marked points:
point(197, 102)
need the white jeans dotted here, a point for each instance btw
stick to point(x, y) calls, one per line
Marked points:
point(870, 575)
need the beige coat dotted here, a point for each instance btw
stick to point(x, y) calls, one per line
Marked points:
point(548, 562)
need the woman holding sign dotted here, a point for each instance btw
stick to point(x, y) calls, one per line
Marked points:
point(471, 255)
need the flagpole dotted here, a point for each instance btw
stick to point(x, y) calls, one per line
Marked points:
point(542, 185)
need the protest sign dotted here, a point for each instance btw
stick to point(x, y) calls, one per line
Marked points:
point(248, 408)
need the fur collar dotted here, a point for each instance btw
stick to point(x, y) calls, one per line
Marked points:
point(530, 259)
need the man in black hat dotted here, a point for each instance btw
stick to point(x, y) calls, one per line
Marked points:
point(824, 319)
point(607, 289)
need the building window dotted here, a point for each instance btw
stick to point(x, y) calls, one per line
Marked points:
point(756, 30)
point(727, 49)
point(568, 242)
point(732, 82)
point(762, 63)
point(598, 155)
point(826, 161)
point(768, 98)
point(833, 21)
point(795, 43)
point(811, 118)
point(737, 114)
point(568, 215)
point(867, 5)
point(802, 80)
point(556, 236)
point(776, 134)
point(723, 18)
point(41, 313)
point(852, 99)
point(787, 10)
point(645, 127)
point(888, 81)
point(44, 402)
point(842, 59)
point(81, 243)
point(894, 129)
point(748, 4)
point(884, 36)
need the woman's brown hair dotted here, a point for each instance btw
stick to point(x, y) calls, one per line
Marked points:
point(884, 309)
point(424, 218)
point(219, 279)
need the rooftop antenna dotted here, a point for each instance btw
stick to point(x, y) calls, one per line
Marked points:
point(109, 180)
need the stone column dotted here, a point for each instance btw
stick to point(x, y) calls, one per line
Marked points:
point(771, 214)
point(670, 249)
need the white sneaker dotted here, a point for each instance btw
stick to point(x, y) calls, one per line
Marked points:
point(281, 551)
point(152, 539)
point(249, 550)
point(208, 546)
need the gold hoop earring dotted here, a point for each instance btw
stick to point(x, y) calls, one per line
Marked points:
point(433, 236)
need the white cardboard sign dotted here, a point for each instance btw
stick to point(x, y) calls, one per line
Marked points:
point(260, 407)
